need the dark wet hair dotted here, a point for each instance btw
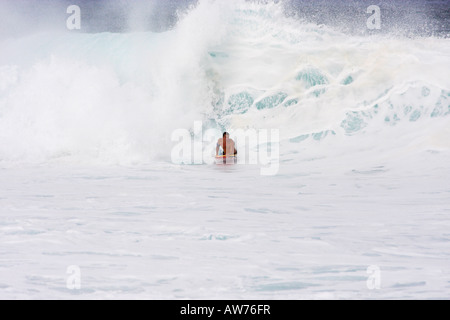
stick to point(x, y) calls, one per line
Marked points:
point(225, 133)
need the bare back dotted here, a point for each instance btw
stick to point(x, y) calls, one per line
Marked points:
point(227, 146)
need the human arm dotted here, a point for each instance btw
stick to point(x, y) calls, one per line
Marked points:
point(218, 147)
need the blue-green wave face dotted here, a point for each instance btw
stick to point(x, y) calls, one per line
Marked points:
point(315, 82)
point(230, 64)
point(240, 102)
point(393, 113)
point(311, 77)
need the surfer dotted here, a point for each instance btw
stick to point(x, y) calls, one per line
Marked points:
point(227, 144)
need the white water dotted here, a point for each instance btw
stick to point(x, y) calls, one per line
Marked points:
point(87, 179)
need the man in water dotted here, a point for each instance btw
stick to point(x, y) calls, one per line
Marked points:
point(227, 144)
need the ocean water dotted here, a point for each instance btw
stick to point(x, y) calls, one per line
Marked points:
point(350, 202)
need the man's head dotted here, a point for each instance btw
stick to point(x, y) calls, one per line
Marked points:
point(226, 135)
